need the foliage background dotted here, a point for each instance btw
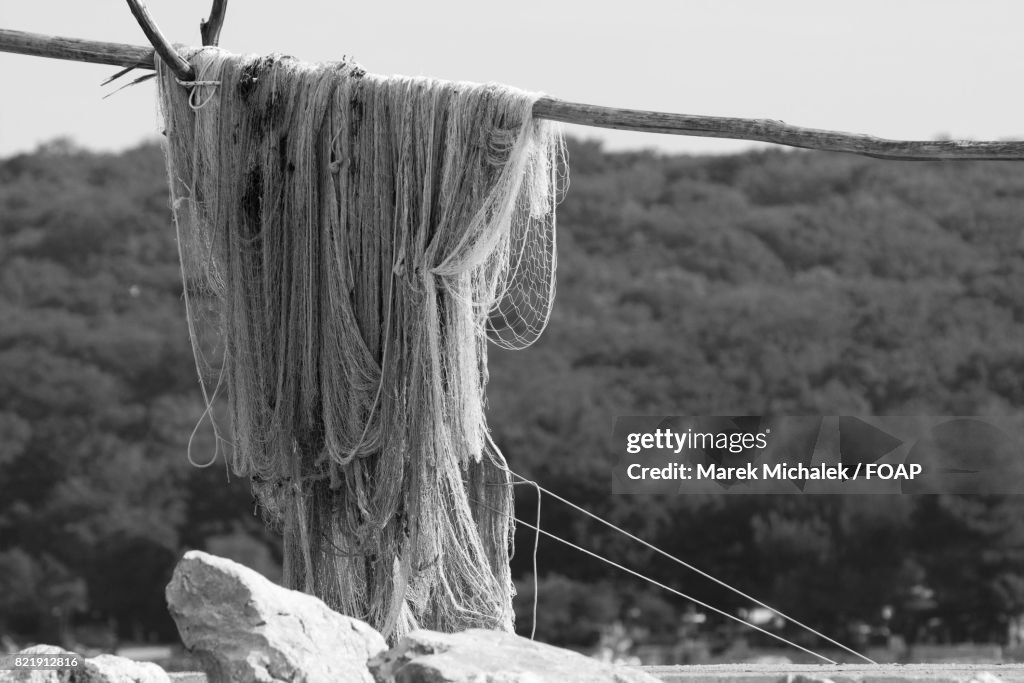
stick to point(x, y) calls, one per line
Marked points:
point(766, 282)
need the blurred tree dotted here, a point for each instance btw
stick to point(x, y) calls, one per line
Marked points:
point(761, 282)
point(972, 551)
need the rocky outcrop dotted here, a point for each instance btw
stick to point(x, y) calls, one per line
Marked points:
point(493, 656)
point(99, 669)
point(246, 629)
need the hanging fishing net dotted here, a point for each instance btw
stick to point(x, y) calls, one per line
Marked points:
point(349, 243)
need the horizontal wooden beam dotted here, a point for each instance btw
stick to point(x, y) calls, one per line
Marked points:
point(75, 49)
point(759, 130)
point(776, 132)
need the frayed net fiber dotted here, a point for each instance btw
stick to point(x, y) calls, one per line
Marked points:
point(349, 243)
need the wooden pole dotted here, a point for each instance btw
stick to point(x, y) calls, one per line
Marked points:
point(776, 132)
point(75, 49)
point(760, 130)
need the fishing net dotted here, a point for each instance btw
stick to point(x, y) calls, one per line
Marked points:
point(348, 245)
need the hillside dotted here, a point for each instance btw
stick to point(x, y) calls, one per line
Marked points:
point(767, 282)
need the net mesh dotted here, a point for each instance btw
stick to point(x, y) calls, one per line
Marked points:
point(348, 244)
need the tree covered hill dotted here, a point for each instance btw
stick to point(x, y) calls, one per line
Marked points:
point(766, 282)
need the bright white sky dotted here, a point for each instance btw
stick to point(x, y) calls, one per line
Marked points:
point(895, 68)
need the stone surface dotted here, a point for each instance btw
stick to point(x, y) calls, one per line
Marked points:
point(39, 675)
point(246, 629)
point(886, 673)
point(114, 669)
point(99, 669)
point(841, 673)
point(480, 656)
point(777, 673)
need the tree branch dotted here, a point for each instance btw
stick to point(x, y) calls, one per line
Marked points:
point(210, 29)
point(760, 130)
point(182, 69)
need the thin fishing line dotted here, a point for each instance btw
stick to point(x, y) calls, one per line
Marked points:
point(536, 578)
point(654, 582)
point(536, 548)
point(691, 567)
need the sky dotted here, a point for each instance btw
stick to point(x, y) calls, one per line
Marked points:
point(912, 69)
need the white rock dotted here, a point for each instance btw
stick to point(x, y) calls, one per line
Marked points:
point(38, 675)
point(114, 669)
point(985, 677)
point(492, 656)
point(99, 669)
point(248, 630)
point(801, 678)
